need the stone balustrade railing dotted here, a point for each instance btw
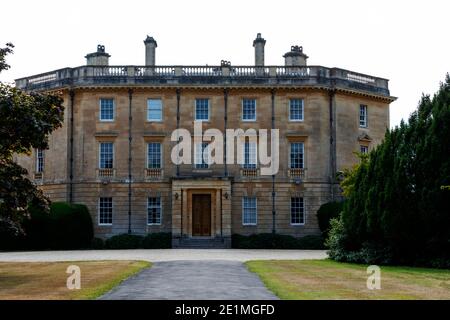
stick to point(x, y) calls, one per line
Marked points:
point(204, 75)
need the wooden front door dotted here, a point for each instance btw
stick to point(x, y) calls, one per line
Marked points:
point(201, 215)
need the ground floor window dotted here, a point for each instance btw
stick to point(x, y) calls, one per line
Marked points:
point(249, 211)
point(105, 208)
point(297, 210)
point(154, 210)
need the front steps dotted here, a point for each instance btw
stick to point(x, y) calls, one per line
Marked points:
point(202, 243)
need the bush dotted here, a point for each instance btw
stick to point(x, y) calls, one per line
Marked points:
point(97, 243)
point(65, 227)
point(275, 241)
point(326, 212)
point(162, 240)
point(124, 241)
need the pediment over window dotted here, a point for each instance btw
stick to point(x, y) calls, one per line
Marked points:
point(364, 137)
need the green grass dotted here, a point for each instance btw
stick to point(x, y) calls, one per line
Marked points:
point(327, 279)
point(47, 280)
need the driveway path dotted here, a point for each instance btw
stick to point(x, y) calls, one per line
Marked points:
point(155, 255)
point(193, 280)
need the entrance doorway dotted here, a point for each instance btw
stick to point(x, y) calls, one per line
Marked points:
point(201, 215)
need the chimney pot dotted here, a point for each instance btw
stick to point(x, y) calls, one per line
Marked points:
point(259, 44)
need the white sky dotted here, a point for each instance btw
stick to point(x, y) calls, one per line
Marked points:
point(405, 41)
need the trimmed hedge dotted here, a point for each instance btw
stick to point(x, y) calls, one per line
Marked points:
point(276, 241)
point(130, 241)
point(65, 227)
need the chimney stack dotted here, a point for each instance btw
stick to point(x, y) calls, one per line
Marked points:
point(295, 57)
point(99, 58)
point(259, 44)
point(150, 46)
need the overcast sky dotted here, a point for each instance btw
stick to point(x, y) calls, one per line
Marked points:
point(407, 42)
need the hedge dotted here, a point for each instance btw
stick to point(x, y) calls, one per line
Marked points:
point(276, 241)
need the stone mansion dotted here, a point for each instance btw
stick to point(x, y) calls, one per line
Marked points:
point(113, 152)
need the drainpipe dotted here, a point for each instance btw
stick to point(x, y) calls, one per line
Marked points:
point(333, 169)
point(72, 98)
point(130, 138)
point(225, 99)
point(178, 91)
point(273, 176)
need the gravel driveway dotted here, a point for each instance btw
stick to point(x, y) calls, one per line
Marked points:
point(156, 255)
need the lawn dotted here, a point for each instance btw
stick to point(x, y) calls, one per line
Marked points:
point(327, 279)
point(47, 280)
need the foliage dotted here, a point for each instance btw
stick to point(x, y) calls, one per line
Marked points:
point(275, 241)
point(396, 209)
point(161, 240)
point(326, 212)
point(26, 120)
point(130, 241)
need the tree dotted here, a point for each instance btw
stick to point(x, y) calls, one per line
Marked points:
point(397, 208)
point(26, 120)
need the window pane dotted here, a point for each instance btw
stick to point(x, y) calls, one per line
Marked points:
point(201, 155)
point(248, 109)
point(250, 155)
point(201, 109)
point(363, 115)
point(105, 210)
point(154, 210)
point(106, 109)
point(296, 109)
point(296, 155)
point(39, 160)
point(154, 110)
point(106, 155)
point(297, 211)
point(154, 155)
point(249, 210)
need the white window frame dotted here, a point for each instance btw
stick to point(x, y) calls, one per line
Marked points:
point(256, 211)
point(100, 154)
point(366, 116)
point(290, 151)
point(160, 154)
point(195, 109)
point(112, 212)
point(39, 168)
point(303, 110)
point(160, 211)
point(290, 212)
point(148, 110)
point(242, 110)
point(113, 110)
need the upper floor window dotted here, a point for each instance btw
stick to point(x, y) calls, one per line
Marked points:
point(39, 160)
point(297, 210)
point(154, 110)
point(297, 155)
point(364, 149)
point(248, 109)
point(154, 155)
point(249, 211)
point(250, 155)
point(106, 155)
point(105, 210)
point(202, 109)
point(106, 109)
point(363, 116)
point(296, 110)
point(154, 210)
point(201, 156)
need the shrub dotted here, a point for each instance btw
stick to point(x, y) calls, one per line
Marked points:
point(65, 227)
point(124, 241)
point(276, 241)
point(162, 240)
point(326, 212)
point(97, 243)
